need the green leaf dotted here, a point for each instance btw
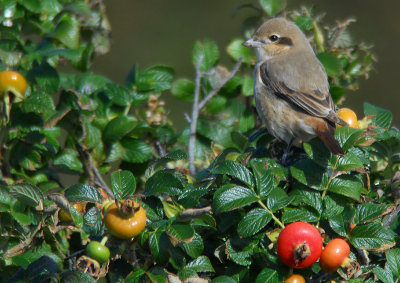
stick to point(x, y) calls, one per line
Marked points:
point(309, 197)
point(136, 151)
point(349, 162)
point(307, 173)
point(67, 31)
point(346, 185)
point(223, 279)
point(347, 137)
point(235, 170)
point(371, 236)
point(159, 245)
point(216, 104)
point(195, 247)
point(208, 51)
point(27, 194)
point(278, 199)
point(68, 161)
point(383, 274)
point(82, 192)
point(237, 50)
point(171, 156)
point(247, 86)
point(305, 23)
point(383, 117)
point(76, 216)
point(46, 77)
point(119, 94)
point(304, 214)
point(165, 181)
point(38, 102)
point(268, 275)
point(183, 89)
point(271, 7)
point(230, 197)
point(331, 63)
point(180, 233)
point(88, 83)
point(93, 222)
point(238, 255)
point(331, 209)
point(123, 184)
point(253, 222)
point(392, 261)
point(369, 211)
point(155, 79)
point(317, 152)
point(135, 276)
point(200, 264)
point(118, 128)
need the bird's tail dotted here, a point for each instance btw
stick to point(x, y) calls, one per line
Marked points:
point(327, 136)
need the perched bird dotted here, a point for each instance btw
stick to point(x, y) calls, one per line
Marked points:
point(291, 88)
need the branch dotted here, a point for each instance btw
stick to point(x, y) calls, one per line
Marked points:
point(195, 115)
point(212, 93)
point(198, 106)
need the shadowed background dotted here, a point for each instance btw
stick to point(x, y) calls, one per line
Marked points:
point(163, 32)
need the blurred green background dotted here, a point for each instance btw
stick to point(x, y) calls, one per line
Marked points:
point(163, 32)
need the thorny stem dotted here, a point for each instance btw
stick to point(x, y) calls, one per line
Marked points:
point(197, 106)
point(273, 216)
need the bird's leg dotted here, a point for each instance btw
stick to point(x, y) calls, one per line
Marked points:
point(286, 152)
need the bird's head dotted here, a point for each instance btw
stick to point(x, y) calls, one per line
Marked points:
point(276, 37)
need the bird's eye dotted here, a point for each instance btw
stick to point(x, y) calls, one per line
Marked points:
point(273, 38)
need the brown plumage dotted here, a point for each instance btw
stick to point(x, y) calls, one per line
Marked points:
point(291, 88)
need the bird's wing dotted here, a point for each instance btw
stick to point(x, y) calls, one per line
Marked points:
point(313, 100)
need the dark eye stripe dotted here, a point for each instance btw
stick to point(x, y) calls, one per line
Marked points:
point(285, 41)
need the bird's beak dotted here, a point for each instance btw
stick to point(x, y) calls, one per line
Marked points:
point(252, 43)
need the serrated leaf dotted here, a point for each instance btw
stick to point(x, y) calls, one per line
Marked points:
point(242, 257)
point(237, 50)
point(180, 233)
point(123, 184)
point(46, 77)
point(183, 89)
point(369, 211)
point(393, 262)
point(223, 279)
point(268, 275)
point(136, 150)
point(371, 236)
point(278, 199)
point(164, 182)
point(135, 276)
point(311, 198)
point(82, 192)
point(119, 94)
point(88, 83)
point(67, 31)
point(159, 244)
point(253, 222)
point(349, 162)
point(68, 161)
point(331, 63)
point(304, 214)
point(271, 7)
point(236, 170)
point(383, 118)
point(208, 50)
point(331, 208)
point(307, 173)
point(195, 247)
point(154, 79)
point(317, 152)
point(38, 102)
point(118, 128)
point(92, 222)
point(230, 197)
point(383, 274)
point(346, 185)
point(347, 136)
point(27, 194)
point(200, 264)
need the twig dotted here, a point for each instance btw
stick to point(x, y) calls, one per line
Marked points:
point(23, 246)
point(191, 213)
point(91, 171)
point(197, 106)
point(387, 221)
point(195, 115)
point(212, 93)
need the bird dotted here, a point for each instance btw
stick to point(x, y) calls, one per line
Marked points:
point(291, 88)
